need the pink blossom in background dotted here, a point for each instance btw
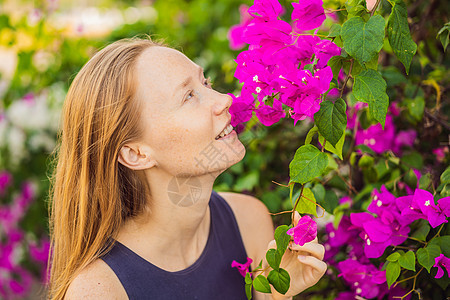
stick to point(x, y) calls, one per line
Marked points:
point(381, 140)
point(236, 31)
point(40, 253)
point(242, 268)
point(442, 261)
point(440, 153)
point(5, 181)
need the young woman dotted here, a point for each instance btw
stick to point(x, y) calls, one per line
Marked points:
point(133, 213)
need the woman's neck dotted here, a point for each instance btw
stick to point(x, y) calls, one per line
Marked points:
point(167, 234)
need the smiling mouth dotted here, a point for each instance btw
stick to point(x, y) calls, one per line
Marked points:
point(225, 132)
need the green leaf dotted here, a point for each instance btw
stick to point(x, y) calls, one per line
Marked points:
point(445, 176)
point(392, 273)
point(366, 161)
point(248, 286)
point(415, 107)
point(261, 284)
point(411, 179)
point(331, 120)
point(330, 202)
point(370, 88)
point(319, 192)
point(335, 30)
point(280, 280)
point(282, 238)
point(273, 257)
point(425, 181)
point(311, 134)
point(336, 63)
point(444, 35)
point(422, 232)
point(365, 149)
point(259, 265)
point(426, 256)
point(355, 7)
point(336, 150)
point(413, 160)
point(363, 40)
point(443, 242)
point(408, 261)
point(306, 206)
point(393, 257)
point(248, 278)
point(248, 290)
point(399, 35)
point(308, 163)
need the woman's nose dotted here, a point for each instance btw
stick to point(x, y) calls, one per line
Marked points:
point(223, 103)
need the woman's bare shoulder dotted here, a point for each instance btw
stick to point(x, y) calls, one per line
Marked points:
point(254, 221)
point(96, 281)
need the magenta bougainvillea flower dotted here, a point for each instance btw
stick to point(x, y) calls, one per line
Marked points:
point(435, 214)
point(242, 268)
point(274, 64)
point(442, 261)
point(236, 31)
point(5, 181)
point(308, 14)
point(305, 231)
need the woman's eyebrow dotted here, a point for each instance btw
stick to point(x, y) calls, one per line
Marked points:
point(188, 80)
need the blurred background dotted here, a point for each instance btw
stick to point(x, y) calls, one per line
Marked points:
point(44, 43)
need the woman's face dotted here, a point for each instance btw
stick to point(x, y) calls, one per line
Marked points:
point(182, 115)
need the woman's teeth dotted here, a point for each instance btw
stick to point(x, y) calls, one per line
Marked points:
point(226, 131)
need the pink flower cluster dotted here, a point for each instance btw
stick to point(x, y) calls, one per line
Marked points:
point(375, 137)
point(15, 280)
point(273, 67)
point(367, 235)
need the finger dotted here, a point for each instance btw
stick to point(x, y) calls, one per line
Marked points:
point(314, 263)
point(296, 218)
point(272, 244)
point(317, 250)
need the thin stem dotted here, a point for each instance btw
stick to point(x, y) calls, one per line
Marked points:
point(282, 212)
point(437, 234)
point(295, 205)
point(412, 238)
point(283, 184)
point(333, 10)
point(413, 288)
point(347, 77)
point(374, 8)
point(310, 34)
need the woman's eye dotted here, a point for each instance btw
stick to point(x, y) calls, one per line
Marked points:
point(189, 95)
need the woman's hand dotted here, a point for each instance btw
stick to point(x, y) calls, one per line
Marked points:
point(304, 264)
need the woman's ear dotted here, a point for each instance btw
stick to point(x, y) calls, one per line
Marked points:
point(135, 158)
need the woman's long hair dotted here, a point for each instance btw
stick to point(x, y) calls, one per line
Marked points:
point(91, 194)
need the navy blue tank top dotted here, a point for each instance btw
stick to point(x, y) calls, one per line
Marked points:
point(210, 277)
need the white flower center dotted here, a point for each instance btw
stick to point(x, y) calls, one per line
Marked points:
point(379, 203)
point(258, 89)
point(372, 141)
point(255, 78)
point(358, 290)
point(427, 203)
point(368, 242)
point(332, 234)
